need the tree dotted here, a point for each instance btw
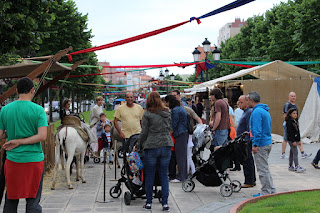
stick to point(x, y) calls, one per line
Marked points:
point(20, 24)
point(69, 28)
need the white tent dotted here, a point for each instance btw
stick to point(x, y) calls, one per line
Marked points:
point(276, 70)
point(309, 120)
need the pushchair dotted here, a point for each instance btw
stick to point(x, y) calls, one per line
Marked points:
point(136, 188)
point(212, 172)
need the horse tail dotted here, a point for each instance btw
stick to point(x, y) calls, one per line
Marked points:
point(65, 138)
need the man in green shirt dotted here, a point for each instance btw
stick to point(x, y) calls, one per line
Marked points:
point(26, 126)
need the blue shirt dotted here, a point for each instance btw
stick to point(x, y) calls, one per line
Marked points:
point(244, 121)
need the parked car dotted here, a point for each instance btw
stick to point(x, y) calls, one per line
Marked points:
point(46, 108)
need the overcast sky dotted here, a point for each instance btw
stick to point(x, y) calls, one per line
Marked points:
point(116, 20)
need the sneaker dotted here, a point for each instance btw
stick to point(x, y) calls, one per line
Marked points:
point(166, 208)
point(306, 155)
point(256, 195)
point(147, 206)
point(292, 169)
point(175, 181)
point(283, 156)
point(300, 169)
point(315, 165)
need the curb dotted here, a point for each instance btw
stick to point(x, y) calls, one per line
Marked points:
point(239, 206)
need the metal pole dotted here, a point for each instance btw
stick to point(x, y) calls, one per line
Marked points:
point(167, 88)
point(207, 73)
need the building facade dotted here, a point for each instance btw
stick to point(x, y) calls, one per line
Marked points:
point(229, 30)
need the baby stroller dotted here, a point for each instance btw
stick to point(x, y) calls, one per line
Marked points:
point(136, 186)
point(212, 172)
point(201, 138)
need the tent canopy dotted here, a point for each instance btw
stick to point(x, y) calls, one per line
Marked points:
point(26, 67)
point(276, 70)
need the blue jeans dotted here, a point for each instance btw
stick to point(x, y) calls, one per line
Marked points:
point(220, 137)
point(153, 159)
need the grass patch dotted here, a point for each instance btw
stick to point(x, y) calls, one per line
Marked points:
point(287, 203)
point(86, 118)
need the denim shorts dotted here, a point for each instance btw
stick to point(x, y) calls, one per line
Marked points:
point(220, 137)
point(285, 137)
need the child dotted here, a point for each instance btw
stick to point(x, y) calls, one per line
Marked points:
point(107, 143)
point(101, 123)
point(293, 135)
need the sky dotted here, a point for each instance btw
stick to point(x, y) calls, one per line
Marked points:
point(112, 21)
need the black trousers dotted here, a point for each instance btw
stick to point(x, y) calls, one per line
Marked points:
point(249, 169)
point(173, 166)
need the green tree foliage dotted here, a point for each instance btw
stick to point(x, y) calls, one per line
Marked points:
point(20, 23)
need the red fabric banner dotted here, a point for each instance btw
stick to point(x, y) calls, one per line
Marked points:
point(155, 66)
point(241, 65)
point(128, 40)
point(201, 66)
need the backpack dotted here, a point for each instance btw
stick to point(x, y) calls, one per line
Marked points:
point(134, 162)
point(189, 124)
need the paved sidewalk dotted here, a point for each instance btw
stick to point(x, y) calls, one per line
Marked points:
point(88, 197)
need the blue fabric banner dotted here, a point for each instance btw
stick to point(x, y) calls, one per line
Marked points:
point(230, 6)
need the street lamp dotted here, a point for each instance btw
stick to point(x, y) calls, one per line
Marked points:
point(172, 77)
point(216, 54)
point(196, 55)
point(206, 49)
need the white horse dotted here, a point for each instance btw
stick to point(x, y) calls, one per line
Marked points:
point(69, 140)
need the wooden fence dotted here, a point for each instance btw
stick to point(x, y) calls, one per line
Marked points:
point(48, 147)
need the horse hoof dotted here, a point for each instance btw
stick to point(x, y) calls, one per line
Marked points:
point(77, 179)
point(84, 181)
point(70, 187)
point(52, 188)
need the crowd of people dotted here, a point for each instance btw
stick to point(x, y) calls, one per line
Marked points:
point(164, 138)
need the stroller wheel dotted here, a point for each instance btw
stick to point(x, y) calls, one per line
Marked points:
point(96, 160)
point(120, 152)
point(225, 190)
point(127, 198)
point(188, 185)
point(236, 185)
point(159, 195)
point(115, 191)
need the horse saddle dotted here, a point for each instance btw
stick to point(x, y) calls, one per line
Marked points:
point(75, 122)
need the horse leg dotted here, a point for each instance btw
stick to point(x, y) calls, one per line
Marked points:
point(82, 167)
point(67, 168)
point(62, 158)
point(77, 167)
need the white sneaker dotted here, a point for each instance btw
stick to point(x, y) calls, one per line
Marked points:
point(306, 155)
point(283, 156)
point(300, 169)
point(175, 181)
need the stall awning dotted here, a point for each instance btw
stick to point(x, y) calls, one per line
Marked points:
point(26, 67)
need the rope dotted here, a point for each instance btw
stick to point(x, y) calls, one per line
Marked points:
point(44, 74)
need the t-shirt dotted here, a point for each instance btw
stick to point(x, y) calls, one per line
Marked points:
point(130, 119)
point(21, 119)
point(221, 106)
point(288, 106)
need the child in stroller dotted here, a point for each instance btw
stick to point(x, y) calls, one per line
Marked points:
point(212, 172)
point(134, 181)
